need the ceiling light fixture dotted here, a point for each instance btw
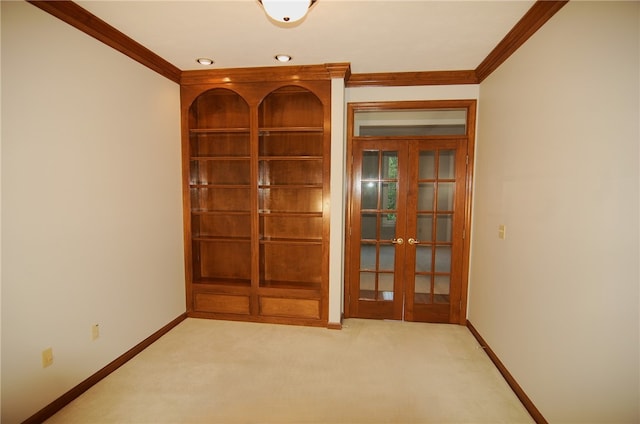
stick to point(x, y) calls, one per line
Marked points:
point(286, 10)
point(283, 57)
point(205, 61)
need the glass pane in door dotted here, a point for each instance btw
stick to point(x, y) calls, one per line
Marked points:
point(445, 196)
point(378, 215)
point(444, 228)
point(385, 286)
point(434, 225)
point(387, 257)
point(425, 196)
point(387, 226)
point(441, 287)
point(446, 164)
point(427, 165)
point(424, 226)
point(423, 259)
point(369, 165)
point(369, 195)
point(410, 122)
point(367, 285)
point(443, 259)
point(369, 226)
point(425, 205)
point(368, 257)
point(389, 194)
point(389, 165)
point(423, 289)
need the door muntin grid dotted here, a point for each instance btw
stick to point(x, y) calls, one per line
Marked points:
point(434, 225)
point(378, 217)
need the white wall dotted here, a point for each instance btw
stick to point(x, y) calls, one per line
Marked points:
point(337, 202)
point(91, 206)
point(557, 163)
point(430, 92)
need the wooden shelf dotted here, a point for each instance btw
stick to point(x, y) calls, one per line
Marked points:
point(264, 132)
point(298, 285)
point(288, 186)
point(268, 213)
point(296, 157)
point(219, 186)
point(218, 130)
point(275, 240)
point(220, 212)
point(223, 282)
point(221, 239)
point(220, 158)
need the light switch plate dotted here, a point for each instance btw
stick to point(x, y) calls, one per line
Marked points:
point(95, 331)
point(47, 357)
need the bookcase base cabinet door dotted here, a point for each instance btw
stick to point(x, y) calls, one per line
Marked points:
point(291, 308)
point(256, 149)
point(222, 303)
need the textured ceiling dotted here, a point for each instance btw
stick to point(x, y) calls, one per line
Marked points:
point(373, 35)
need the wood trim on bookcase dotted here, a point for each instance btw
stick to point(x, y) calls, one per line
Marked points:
point(90, 24)
point(532, 21)
point(55, 406)
point(528, 404)
point(325, 71)
point(389, 79)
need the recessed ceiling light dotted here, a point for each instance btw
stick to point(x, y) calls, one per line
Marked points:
point(283, 57)
point(205, 61)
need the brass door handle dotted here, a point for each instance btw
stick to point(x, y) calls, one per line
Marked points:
point(398, 240)
point(413, 241)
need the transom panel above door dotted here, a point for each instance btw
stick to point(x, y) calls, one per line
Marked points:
point(407, 253)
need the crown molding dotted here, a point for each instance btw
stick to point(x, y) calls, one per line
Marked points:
point(532, 21)
point(80, 18)
point(267, 73)
point(389, 79)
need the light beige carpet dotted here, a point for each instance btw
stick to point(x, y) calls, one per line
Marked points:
point(209, 371)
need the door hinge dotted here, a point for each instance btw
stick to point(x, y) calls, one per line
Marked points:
point(464, 234)
point(467, 160)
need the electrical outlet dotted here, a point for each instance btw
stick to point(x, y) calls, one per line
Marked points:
point(95, 331)
point(47, 357)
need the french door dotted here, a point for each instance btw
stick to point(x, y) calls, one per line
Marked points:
point(407, 221)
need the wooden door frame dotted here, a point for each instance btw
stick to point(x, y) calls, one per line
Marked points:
point(470, 106)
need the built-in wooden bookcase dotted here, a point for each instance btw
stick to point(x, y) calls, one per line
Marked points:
point(256, 166)
point(220, 188)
